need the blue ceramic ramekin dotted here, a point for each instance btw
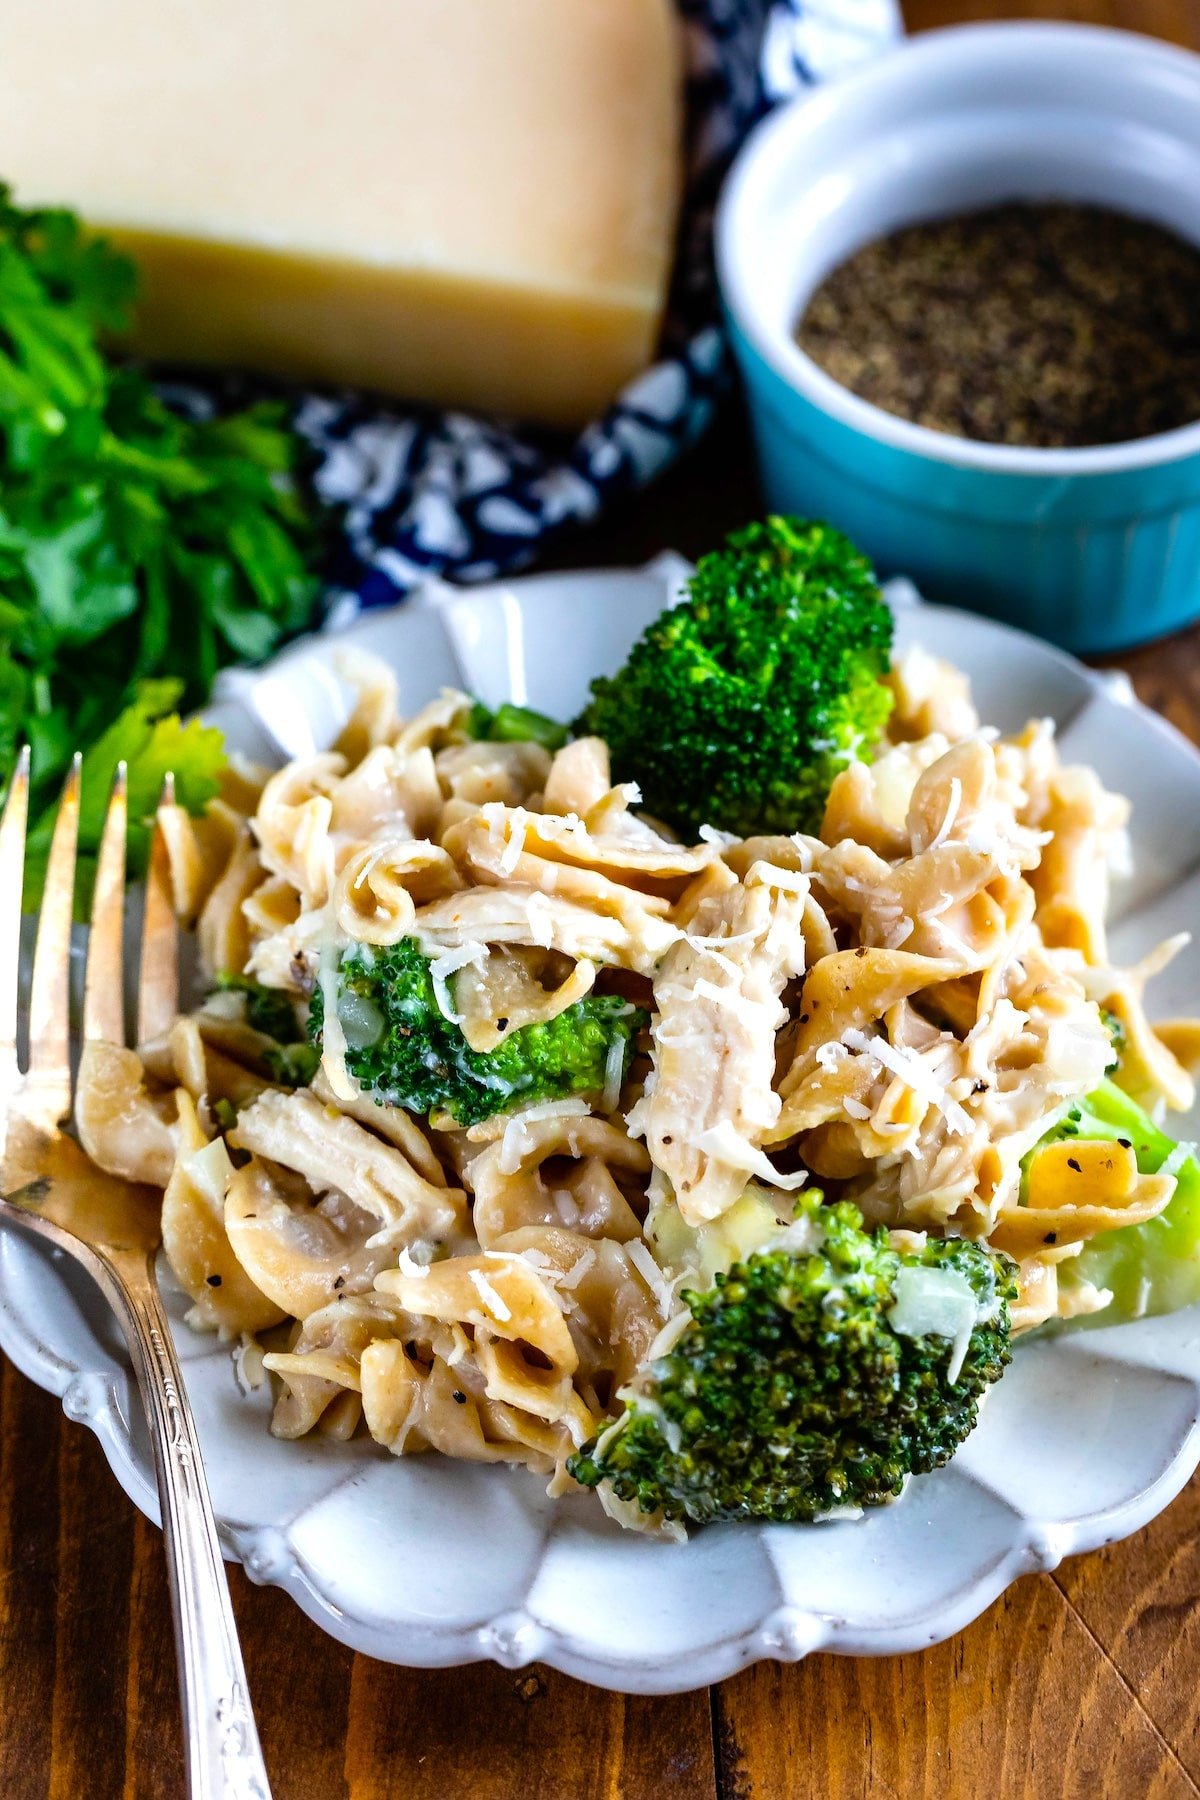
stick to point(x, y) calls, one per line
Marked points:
point(1097, 548)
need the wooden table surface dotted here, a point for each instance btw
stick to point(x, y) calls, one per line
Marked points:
point(1081, 1683)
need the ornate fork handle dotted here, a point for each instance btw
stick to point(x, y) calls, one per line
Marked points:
point(113, 1226)
point(225, 1761)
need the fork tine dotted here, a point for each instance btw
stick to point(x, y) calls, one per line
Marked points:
point(103, 995)
point(48, 1080)
point(158, 982)
point(12, 867)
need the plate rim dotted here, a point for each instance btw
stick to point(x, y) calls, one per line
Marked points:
point(103, 1397)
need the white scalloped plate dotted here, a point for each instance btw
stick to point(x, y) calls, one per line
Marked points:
point(427, 1562)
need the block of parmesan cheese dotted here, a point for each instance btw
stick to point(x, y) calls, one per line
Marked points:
point(469, 202)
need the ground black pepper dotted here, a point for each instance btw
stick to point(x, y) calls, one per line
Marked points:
point(1036, 323)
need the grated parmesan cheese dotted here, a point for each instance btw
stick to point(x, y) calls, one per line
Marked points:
point(515, 847)
point(769, 875)
point(614, 1069)
point(567, 1208)
point(633, 1393)
point(629, 1515)
point(1175, 1159)
point(487, 1293)
point(541, 921)
point(651, 1274)
point(571, 1278)
point(669, 1336)
point(333, 1038)
point(609, 1434)
point(726, 1144)
point(716, 946)
point(750, 1012)
point(952, 812)
point(910, 1069)
point(516, 1143)
point(983, 840)
point(449, 963)
point(636, 1117)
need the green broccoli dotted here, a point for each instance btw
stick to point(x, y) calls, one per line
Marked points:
point(291, 1065)
point(268, 1010)
point(1148, 1268)
point(403, 1048)
point(811, 1378)
point(512, 724)
point(288, 1060)
point(738, 707)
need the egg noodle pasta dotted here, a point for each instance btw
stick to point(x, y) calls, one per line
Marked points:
point(894, 1011)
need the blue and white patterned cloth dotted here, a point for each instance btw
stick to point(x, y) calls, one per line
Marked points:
point(427, 493)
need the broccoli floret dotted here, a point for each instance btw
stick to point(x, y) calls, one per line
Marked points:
point(292, 1065)
point(511, 724)
point(268, 1010)
point(811, 1379)
point(1149, 1268)
point(738, 707)
point(402, 1048)
point(289, 1059)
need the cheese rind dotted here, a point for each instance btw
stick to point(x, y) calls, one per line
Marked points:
point(469, 202)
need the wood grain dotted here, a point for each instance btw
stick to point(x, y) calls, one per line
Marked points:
point(1176, 20)
point(955, 1721)
point(1083, 1684)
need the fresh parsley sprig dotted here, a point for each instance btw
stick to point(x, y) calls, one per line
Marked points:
point(140, 549)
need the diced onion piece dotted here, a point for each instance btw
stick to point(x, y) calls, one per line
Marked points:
point(936, 1303)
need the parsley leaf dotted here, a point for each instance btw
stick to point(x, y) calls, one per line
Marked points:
point(153, 742)
point(140, 550)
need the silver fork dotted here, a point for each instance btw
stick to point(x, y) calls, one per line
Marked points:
point(113, 1228)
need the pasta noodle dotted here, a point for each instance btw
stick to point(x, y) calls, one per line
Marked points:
point(899, 1008)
